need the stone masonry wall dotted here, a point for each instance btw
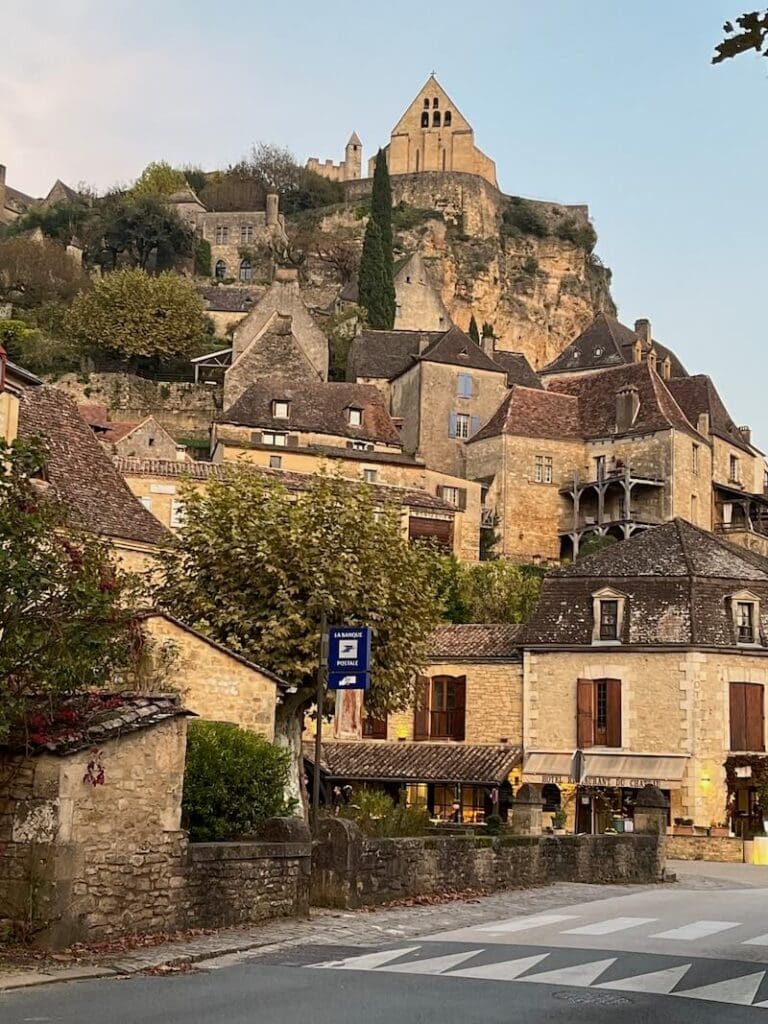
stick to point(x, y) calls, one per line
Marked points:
point(723, 849)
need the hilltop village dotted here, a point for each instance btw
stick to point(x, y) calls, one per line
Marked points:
point(507, 411)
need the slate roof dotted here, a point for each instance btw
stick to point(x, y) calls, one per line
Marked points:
point(229, 300)
point(474, 641)
point(321, 408)
point(603, 343)
point(532, 412)
point(82, 472)
point(482, 764)
point(696, 395)
point(519, 370)
point(677, 579)
point(457, 349)
point(93, 719)
point(385, 354)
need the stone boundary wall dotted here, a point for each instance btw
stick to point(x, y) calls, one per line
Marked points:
point(351, 871)
point(717, 848)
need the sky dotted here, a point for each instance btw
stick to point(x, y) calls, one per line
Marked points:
point(604, 102)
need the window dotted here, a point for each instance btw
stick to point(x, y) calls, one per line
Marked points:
point(374, 726)
point(465, 385)
point(222, 234)
point(440, 708)
point(734, 474)
point(745, 622)
point(246, 234)
point(177, 513)
point(246, 270)
point(435, 102)
point(151, 442)
point(695, 459)
point(609, 620)
point(453, 495)
point(355, 417)
point(426, 103)
point(436, 119)
point(447, 119)
point(220, 271)
point(424, 124)
point(746, 712)
point(459, 425)
point(274, 438)
point(275, 461)
point(370, 475)
point(542, 469)
point(598, 713)
point(599, 467)
point(361, 446)
point(280, 409)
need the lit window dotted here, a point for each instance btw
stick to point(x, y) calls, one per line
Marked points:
point(735, 475)
point(246, 234)
point(273, 438)
point(280, 410)
point(609, 620)
point(465, 385)
point(369, 476)
point(177, 513)
point(745, 622)
point(275, 461)
point(222, 234)
point(695, 459)
point(355, 417)
point(462, 425)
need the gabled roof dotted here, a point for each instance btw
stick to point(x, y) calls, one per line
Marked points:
point(82, 472)
point(60, 190)
point(458, 349)
point(696, 395)
point(385, 354)
point(519, 370)
point(317, 407)
point(532, 412)
point(354, 140)
point(603, 343)
point(474, 641)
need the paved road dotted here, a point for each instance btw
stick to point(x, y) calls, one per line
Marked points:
point(696, 953)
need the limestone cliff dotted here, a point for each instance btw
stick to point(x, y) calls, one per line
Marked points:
point(526, 267)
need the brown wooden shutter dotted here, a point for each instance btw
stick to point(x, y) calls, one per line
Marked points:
point(753, 715)
point(421, 709)
point(438, 530)
point(462, 498)
point(460, 708)
point(585, 713)
point(613, 712)
point(738, 717)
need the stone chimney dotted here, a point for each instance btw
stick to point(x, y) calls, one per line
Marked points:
point(273, 201)
point(627, 406)
point(746, 434)
point(423, 342)
point(288, 280)
point(488, 345)
point(283, 324)
point(702, 424)
point(643, 331)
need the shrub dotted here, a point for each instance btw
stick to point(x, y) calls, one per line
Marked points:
point(530, 266)
point(233, 781)
point(522, 217)
point(583, 235)
point(202, 257)
point(405, 217)
point(378, 815)
point(493, 825)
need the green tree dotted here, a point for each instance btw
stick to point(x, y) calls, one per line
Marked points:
point(751, 34)
point(375, 288)
point(275, 169)
point(140, 228)
point(38, 271)
point(233, 781)
point(65, 618)
point(159, 179)
point(255, 566)
point(473, 331)
point(595, 543)
point(381, 203)
point(492, 591)
point(64, 222)
point(132, 315)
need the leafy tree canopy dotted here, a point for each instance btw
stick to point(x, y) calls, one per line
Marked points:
point(62, 221)
point(494, 591)
point(138, 229)
point(275, 169)
point(133, 314)
point(159, 179)
point(35, 271)
point(749, 33)
point(376, 290)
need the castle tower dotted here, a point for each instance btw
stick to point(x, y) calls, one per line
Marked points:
point(353, 158)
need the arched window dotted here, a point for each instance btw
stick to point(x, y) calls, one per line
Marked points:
point(246, 271)
point(435, 102)
point(425, 120)
point(447, 119)
point(436, 119)
point(426, 104)
point(220, 270)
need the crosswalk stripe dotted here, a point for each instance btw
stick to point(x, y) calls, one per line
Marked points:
point(435, 964)
point(580, 975)
point(696, 930)
point(735, 990)
point(522, 924)
point(658, 982)
point(613, 924)
point(368, 961)
point(504, 970)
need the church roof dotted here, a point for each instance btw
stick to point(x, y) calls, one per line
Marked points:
point(603, 343)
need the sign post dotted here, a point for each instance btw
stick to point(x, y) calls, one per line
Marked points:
point(322, 672)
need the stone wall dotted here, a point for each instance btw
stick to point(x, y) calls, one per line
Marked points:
point(714, 848)
point(350, 871)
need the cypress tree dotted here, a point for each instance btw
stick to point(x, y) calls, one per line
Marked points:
point(473, 331)
point(381, 203)
point(376, 292)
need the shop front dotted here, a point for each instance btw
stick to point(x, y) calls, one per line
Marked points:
point(597, 789)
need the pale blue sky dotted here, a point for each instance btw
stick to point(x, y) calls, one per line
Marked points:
point(609, 103)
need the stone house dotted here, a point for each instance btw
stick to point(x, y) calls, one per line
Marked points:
point(13, 380)
point(462, 741)
point(227, 306)
point(14, 203)
point(650, 660)
point(137, 439)
point(418, 303)
point(432, 135)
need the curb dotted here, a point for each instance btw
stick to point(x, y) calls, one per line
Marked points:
point(30, 979)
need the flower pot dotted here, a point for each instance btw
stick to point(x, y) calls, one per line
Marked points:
point(683, 830)
point(716, 832)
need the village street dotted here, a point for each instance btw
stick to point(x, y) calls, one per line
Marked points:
point(694, 951)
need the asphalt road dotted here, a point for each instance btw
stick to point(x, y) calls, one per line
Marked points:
point(665, 954)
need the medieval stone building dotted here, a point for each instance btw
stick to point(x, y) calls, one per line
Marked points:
point(348, 169)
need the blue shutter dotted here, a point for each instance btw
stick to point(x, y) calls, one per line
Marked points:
point(474, 426)
point(465, 385)
point(452, 425)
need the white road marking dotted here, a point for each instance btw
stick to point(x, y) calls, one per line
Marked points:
point(658, 982)
point(581, 975)
point(522, 924)
point(504, 970)
point(696, 930)
point(613, 924)
point(435, 965)
point(759, 940)
point(367, 962)
point(740, 991)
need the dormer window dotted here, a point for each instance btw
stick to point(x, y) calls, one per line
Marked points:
point(608, 609)
point(355, 417)
point(745, 609)
point(609, 620)
point(281, 409)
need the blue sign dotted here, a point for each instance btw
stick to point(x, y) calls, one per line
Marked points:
point(349, 650)
point(348, 681)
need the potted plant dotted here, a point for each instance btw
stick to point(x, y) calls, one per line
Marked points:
point(719, 830)
point(683, 827)
point(559, 819)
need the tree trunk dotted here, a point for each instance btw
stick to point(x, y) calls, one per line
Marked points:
point(289, 723)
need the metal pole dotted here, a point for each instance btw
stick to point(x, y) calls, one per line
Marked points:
point(322, 671)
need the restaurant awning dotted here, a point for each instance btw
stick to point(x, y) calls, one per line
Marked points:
point(606, 768)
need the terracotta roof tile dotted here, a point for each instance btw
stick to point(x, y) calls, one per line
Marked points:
point(476, 641)
point(696, 395)
point(519, 370)
point(530, 412)
point(482, 764)
point(221, 299)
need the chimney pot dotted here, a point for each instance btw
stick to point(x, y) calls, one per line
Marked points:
point(643, 331)
point(746, 435)
point(627, 406)
point(702, 424)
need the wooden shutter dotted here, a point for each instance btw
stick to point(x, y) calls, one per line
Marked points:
point(753, 714)
point(585, 713)
point(474, 425)
point(421, 708)
point(462, 498)
point(613, 716)
point(452, 425)
point(738, 717)
point(458, 725)
point(438, 530)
